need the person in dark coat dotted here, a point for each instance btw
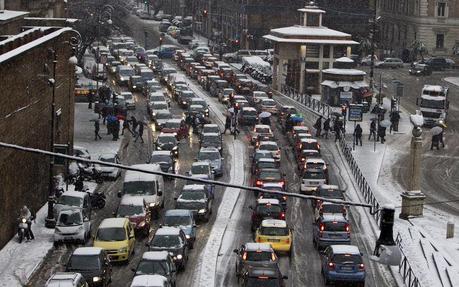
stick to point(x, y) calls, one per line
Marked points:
point(90, 99)
point(134, 124)
point(382, 133)
point(140, 133)
point(104, 114)
point(435, 142)
point(116, 129)
point(337, 129)
point(318, 126)
point(227, 124)
point(358, 134)
point(326, 127)
point(372, 130)
point(96, 130)
point(394, 119)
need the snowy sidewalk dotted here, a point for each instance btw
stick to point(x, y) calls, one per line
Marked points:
point(18, 262)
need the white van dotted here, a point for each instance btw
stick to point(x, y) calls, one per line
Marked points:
point(148, 186)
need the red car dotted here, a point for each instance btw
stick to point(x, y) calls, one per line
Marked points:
point(134, 208)
point(176, 126)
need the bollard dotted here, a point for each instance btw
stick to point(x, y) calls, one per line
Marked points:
point(450, 229)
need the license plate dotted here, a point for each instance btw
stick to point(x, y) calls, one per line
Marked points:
point(347, 268)
point(273, 240)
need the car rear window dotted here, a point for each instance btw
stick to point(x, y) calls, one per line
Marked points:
point(258, 256)
point(263, 130)
point(335, 226)
point(263, 281)
point(347, 258)
point(330, 193)
point(274, 231)
point(332, 208)
point(270, 175)
point(314, 175)
point(265, 209)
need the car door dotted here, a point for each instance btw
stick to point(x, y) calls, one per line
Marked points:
point(131, 237)
point(86, 206)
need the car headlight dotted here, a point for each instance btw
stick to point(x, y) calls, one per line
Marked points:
point(152, 204)
point(24, 220)
point(123, 250)
point(206, 110)
point(175, 148)
point(134, 87)
point(154, 114)
point(202, 211)
point(158, 147)
point(179, 257)
point(187, 236)
point(142, 224)
point(183, 102)
point(96, 279)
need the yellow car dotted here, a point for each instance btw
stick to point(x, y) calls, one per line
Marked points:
point(276, 233)
point(116, 236)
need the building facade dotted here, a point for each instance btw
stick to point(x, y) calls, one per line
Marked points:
point(433, 22)
point(26, 65)
point(37, 8)
point(302, 51)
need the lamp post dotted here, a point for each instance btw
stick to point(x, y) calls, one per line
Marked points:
point(106, 12)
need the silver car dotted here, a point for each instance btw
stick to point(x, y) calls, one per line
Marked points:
point(390, 63)
point(212, 155)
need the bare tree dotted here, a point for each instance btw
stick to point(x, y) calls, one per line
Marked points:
point(418, 47)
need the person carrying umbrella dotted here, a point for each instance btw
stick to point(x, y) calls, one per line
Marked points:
point(381, 133)
point(358, 134)
point(326, 127)
point(265, 118)
point(437, 137)
point(372, 129)
point(140, 133)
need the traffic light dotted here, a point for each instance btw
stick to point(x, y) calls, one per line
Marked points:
point(205, 13)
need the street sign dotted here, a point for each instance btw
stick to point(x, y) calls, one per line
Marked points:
point(355, 112)
point(345, 97)
point(399, 90)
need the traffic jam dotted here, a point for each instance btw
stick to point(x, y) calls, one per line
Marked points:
point(159, 81)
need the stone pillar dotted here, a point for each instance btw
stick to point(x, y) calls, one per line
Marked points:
point(276, 72)
point(302, 67)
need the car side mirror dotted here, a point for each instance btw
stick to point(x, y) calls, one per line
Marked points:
point(160, 193)
point(236, 251)
point(285, 277)
point(133, 270)
point(119, 194)
point(147, 244)
point(250, 207)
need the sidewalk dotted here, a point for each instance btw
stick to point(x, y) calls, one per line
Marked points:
point(432, 256)
point(18, 262)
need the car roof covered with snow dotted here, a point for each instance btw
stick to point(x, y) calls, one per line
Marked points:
point(149, 281)
point(308, 140)
point(210, 125)
point(268, 201)
point(87, 251)
point(63, 279)
point(166, 230)
point(262, 127)
point(252, 246)
point(268, 143)
point(174, 120)
point(113, 222)
point(178, 212)
point(345, 249)
point(131, 175)
point(249, 109)
point(194, 187)
point(315, 160)
point(333, 217)
point(200, 163)
point(300, 128)
point(155, 255)
point(132, 200)
point(74, 194)
point(209, 149)
point(279, 185)
point(160, 152)
point(274, 223)
point(265, 159)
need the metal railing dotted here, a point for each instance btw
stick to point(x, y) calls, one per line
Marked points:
point(404, 268)
point(307, 100)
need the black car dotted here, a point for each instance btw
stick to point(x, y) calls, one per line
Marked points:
point(172, 240)
point(199, 202)
point(420, 70)
point(262, 274)
point(253, 253)
point(167, 141)
point(438, 64)
point(92, 263)
point(212, 140)
point(165, 159)
point(248, 116)
point(328, 191)
point(157, 262)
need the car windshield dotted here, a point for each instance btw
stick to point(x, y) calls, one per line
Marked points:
point(432, 104)
point(335, 226)
point(262, 281)
point(314, 175)
point(201, 103)
point(347, 259)
point(163, 116)
point(167, 241)
point(157, 98)
point(307, 145)
point(274, 231)
point(172, 125)
point(268, 103)
point(83, 262)
point(330, 193)
point(111, 234)
point(167, 139)
point(259, 256)
point(268, 208)
point(107, 159)
point(249, 113)
point(332, 208)
point(150, 267)
point(130, 210)
point(127, 96)
point(127, 72)
point(209, 156)
point(270, 175)
point(162, 106)
point(177, 220)
point(259, 155)
point(161, 158)
point(193, 195)
point(265, 164)
point(139, 187)
point(70, 200)
point(211, 139)
point(200, 169)
point(419, 66)
point(270, 147)
point(210, 130)
point(70, 219)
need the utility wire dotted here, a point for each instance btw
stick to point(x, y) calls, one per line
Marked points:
point(178, 176)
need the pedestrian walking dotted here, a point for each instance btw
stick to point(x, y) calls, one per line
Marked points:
point(435, 142)
point(227, 124)
point(234, 124)
point(140, 133)
point(104, 114)
point(126, 126)
point(90, 99)
point(135, 124)
point(96, 130)
point(337, 130)
point(372, 130)
point(318, 126)
point(116, 130)
point(381, 134)
point(394, 119)
point(440, 139)
point(358, 134)
point(326, 127)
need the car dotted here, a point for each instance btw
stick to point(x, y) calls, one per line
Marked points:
point(129, 100)
point(116, 236)
point(259, 154)
point(264, 209)
point(157, 96)
point(72, 199)
point(123, 74)
point(167, 142)
point(150, 281)
point(304, 155)
point(329, 208)
point(136, 83)
point(158, 106)
point(164, 72)
point(69, 279)
point(165, 159)
point(112, 66)
point(314, 163)
point(134, 208)
point(390, 63)
point(366, 61)
point(185, 97)
point(307, 144)
point(71, 226)
point(257, 96)
point(268, 175)
point(286, 110)
point(274, 186)
point(210, 128)
point(268, 105)
point(259, 129)
point(172, 240)
point(213, 156)
point(299, 129)
point(197, 200)
point(264, 162)
point(184, 219)
point(212, 140)
point(151, 86)
point(166, 51)
point(252, 253)
point(217, 87)
point(161, 117)
point(420, 70)
point(311, 179)
point(157, 263)
point(195, 110)
point(109, 172)
point(91, 262)
point(438, 64)
point(131, 61)
point(176, 127)
point(276, 233)
point(201, 169)
point(328, 191)
point(248, 116)
point(270, 146)
point(343, 263)
point(331, 229)
point(82, 152)
point(296, 140)
point(200, 102)
point(262, 274)
point(225, 96)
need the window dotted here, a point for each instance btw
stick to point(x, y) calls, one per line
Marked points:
point(440, 41)
point(441, 9)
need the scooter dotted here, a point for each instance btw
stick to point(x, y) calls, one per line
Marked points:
point(98, 200)
point(23, 229)
point(90, 173)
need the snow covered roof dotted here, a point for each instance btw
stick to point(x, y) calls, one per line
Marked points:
point(272, 184)
point(249, 109)
point(308, 140)
point(310, 151)
point(211, 134)
point(113, 222)
point(345, 249)
point(75, 194)
point(194, 187)
point(329, 186)
point(132, 200)
point(346, 72)
point(166, 230)
point(274, 223)
point(331, 84)
point(311, 9)
point(266, 160)
point(87, 251)
point(209, 149)
point(161, 152)
point(6, 15)
point(300, 128)
point(141, 176)
point(211, 125)
point(268, 143)
point(315, 160)
point(433, 88)
point(155, 255)
point(344, 60)
point(310, 41)
point(149, 281)
point(262, 127)
point(309, 31)
point(178, 212)
point(252, 246)
point(199, 163)
point(333, 217)
point(268, 201)
point(175, 120)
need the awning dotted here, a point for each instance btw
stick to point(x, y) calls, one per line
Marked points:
point(342, 84)
point(362, 84)
point(330, 84)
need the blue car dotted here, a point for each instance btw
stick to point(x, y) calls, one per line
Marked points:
point(343, 263)
point(166, 51)
point(331, 229)
point(182, 218)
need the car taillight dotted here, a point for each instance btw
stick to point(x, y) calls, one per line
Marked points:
point(348, 229)
point(282, 215)
point(287, 241)
point(284, 197)
point(303, 159)
point(361, 267)
point(244, 256)
point(331, 266)
point(322, 227)
point(259, 183)
point(282, 183)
